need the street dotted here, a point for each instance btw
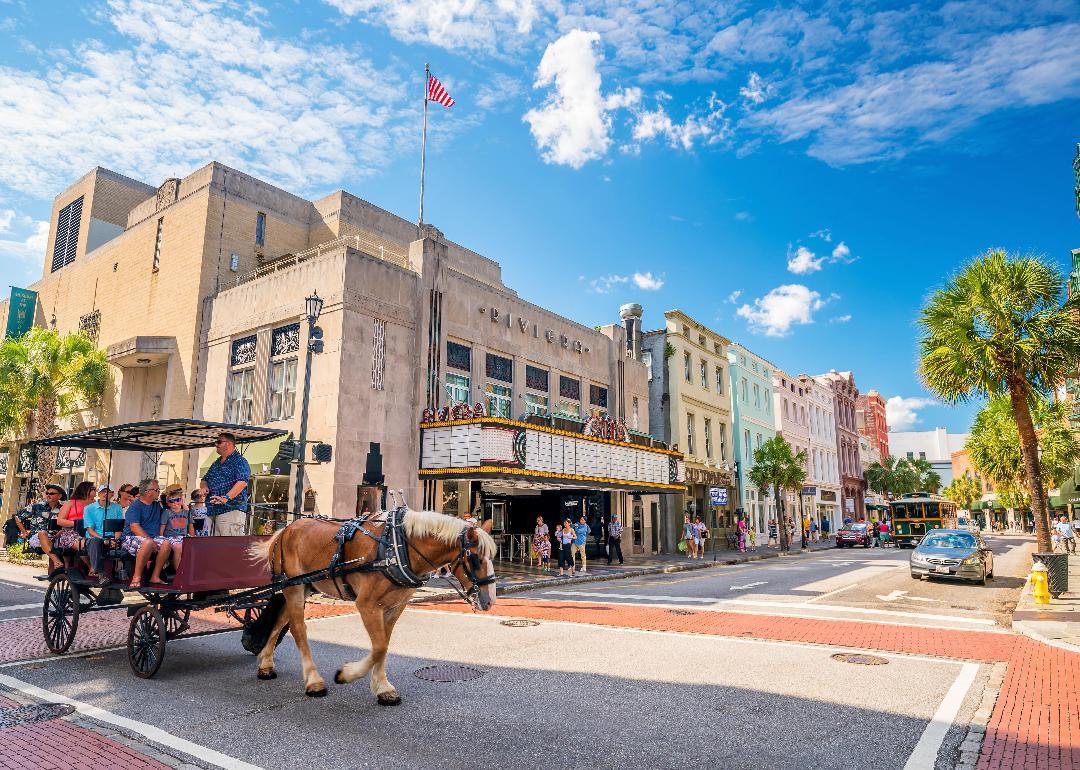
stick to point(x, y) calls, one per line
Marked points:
point(609, 678)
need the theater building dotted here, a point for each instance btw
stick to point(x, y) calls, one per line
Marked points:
point(196, 291)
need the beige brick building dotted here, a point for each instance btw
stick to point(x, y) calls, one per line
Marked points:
point(195, 289)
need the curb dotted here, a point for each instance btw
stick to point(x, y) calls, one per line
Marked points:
point(531, 585)
point(1023, 626)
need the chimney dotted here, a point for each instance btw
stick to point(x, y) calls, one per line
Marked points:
point(631, 318)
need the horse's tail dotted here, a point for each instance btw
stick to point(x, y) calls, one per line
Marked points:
point(260, 552)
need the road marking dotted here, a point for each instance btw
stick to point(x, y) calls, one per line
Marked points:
point(24, 586)
point(861, 575)
point(892, 597)
point(658, 597)
point(926, 750)
point(13, 607)
point(748, 585)
point(155, 734)
point(831, 593)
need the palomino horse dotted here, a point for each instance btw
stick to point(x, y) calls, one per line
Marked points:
point(307, 545)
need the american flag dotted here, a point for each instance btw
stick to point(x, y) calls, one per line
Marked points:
point(437, 93)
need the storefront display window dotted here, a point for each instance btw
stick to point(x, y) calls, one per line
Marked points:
point(451, 497)
point(498, 400)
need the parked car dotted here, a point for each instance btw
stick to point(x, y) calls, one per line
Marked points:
point(958, 554)
point(851, 535)
point(968, 523)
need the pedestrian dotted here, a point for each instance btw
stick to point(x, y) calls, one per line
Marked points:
point(1076, 521)
point(825, 526)
point(774, 532)
point(1068, 536)
point(688, 537)
point(225, 487)
point(615, 529)
point(701, 534)
point(753, 538)
point(883, 533)
point(565, 535)
point(742, 533)
point(581, 535)
point(542, 544)
point(790, 531)
point(813, 530)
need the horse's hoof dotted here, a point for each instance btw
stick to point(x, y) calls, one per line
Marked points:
point(388, 699)
point(320, 693)
point(339, 677)
point(271, 674)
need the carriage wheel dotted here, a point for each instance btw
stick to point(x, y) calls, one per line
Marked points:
point(60, 616)
point(146, 642)
point(176, 620)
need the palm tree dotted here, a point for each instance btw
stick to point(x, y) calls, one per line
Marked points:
point(777, 468)
point(924, 477)
point(46, 376)
point(963, 491)
point(1003, 325)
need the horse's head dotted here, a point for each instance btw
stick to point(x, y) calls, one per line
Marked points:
point(474, 568)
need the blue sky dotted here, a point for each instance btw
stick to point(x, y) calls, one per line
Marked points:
point(797, 176)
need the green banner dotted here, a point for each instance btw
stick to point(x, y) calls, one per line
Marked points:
point(20, 311)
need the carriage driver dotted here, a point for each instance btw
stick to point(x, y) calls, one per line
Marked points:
point(142, 525)
point(225, 485)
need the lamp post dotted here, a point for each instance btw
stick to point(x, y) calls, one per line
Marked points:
point(313, 308)
point(72, 455)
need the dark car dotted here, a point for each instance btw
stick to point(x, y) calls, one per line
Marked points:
point(958, 554)
point(851, 535)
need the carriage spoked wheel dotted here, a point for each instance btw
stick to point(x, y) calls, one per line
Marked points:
point(176, 620)
point(60, 616)
point(146, 642)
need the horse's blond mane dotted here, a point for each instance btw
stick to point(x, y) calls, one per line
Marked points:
point(446, 529)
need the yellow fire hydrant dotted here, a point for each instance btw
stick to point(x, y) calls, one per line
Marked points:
point(1040, 584)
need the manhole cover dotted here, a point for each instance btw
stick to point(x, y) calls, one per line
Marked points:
point(447, 673)
point(25, 715)
point(862, 660)
point(681, 612)
point(520, 622)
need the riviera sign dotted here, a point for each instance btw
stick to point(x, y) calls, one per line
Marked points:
point(526, 327)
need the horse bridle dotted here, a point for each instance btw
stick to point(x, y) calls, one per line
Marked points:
point(470, 563)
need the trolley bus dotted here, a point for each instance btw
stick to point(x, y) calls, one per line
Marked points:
point(916, 513)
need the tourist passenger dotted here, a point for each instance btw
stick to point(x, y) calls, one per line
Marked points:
point(688, 533)
point(142, 523)
point(33, 521)
point(565, 535)
point(541, 543)
point(124, 495)
point(176, 521)
point(225, 485)
point(71, 512)
point(614, 529)
point(94, 527)
point(199, 519)
point(581, 534)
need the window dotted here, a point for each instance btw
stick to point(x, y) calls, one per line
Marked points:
point(569, 396)
point(457, 388)
point(536, 404)
point(704, 375)
point(157, 245)
point(240, 388)
point(646, 358)
point(749, 449)
point(720, 380)
point(768, 405)
point(911, 455)
point(634, 415)
point(689, 433)
point(284, 346)
point(922, 455)
point(745, 391)
point(701, 340)
point(757, 396)
point(758, 442)
point(67, 234)
point(686, 367)
point(708, 438)
point(536, 378)
point(458, 356)
point(786, 409)
point(260, 229)
point(598, 396)
point(499, 368)
point(723, 442)
point(498, 400)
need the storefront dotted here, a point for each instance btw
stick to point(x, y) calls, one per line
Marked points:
point(709, 493)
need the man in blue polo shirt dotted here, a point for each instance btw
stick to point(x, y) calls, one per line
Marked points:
point(224, 487)
point(142, 532)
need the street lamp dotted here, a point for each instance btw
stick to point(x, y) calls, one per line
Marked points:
point(72, 455)
point(313, 306)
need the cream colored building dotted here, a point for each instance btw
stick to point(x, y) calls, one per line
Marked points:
point(196, 289)
point(690, 406)
point(824, 464)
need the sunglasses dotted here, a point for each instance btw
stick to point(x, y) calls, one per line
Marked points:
point(175, 500)
point(50, 494)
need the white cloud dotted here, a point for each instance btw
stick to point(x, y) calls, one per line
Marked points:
point(840, 319)
point(606, 283)
point(23, 244)
point(824, 234)
point(756, 90)
point(500, 93)
point(573, 126)
point(785, 306)
point(903, 413)
point(803, 261)
point(841, 251)
point(744, 216)
point(707, 126)
point(648, 282)
point(192, 82)
point(734, 296)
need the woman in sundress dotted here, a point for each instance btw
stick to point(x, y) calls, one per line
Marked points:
point(542, 543)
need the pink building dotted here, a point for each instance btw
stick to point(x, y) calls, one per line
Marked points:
point(871, 422)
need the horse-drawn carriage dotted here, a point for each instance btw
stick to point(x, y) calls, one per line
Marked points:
point(262, 581)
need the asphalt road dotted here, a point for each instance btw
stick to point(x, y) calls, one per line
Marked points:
point(854, 584)
point(553, 695)
point(20, 595)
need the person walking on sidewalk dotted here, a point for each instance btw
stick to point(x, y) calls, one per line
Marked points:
point(614, 532)
point(581, 534)
point(1068, 535)
point(701, 534)
point(564, 533)
point(542, 544)
point(688, 536)
point(774, 532)
point(752, 531)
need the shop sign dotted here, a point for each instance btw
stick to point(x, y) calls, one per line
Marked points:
point(707, 476)
point(828, 496)
point(849, 505)
point(718, 495)
point(810, 491)
point(20, 311)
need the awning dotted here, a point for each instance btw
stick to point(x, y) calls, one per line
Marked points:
point(157, 436)
point(262, 456)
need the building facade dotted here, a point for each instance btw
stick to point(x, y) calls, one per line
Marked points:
point(824, 464)
point(198, 292)
point(871, 421)
point(690, 409)
point(791, 420)
point(935, 446)
point(845, 396)
point(753, 424)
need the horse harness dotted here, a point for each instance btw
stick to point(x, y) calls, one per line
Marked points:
point(392, 558)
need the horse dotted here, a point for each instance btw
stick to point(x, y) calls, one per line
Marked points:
point(310, 544)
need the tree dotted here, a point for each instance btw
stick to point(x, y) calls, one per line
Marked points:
point(1002, 325)
point(893, 477)
point(777, 468)
point(963, 491)
point(46, 376)
point(924, 477)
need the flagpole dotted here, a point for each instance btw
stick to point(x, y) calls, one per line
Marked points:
point(423, 144)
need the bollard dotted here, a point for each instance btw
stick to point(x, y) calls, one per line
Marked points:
point(1040, 584)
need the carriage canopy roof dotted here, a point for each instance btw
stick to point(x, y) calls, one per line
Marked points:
point(158, 436)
